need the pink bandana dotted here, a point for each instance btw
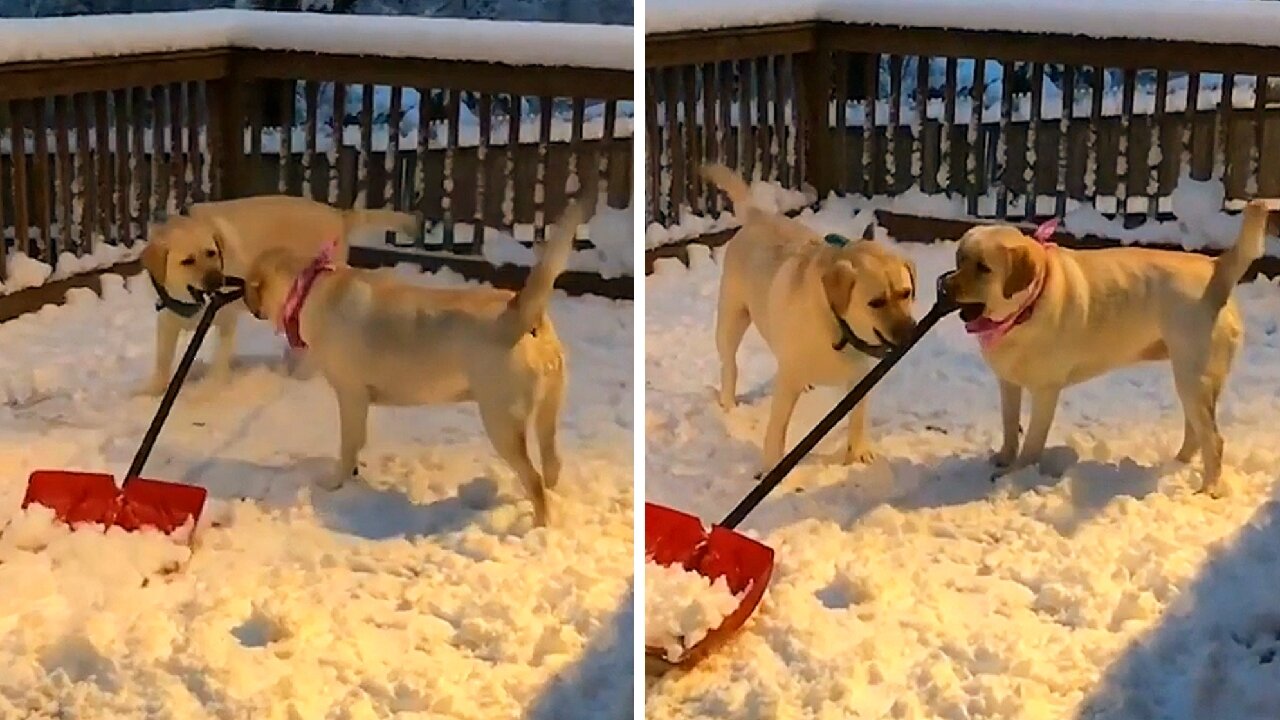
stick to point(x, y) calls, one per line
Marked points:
point(990, 331)
point(291, 313)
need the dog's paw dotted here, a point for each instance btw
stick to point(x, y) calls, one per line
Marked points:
point(1003, 458)
point(338, 478)
point(541, 513)
point(860, 455)
point(728, 401)
point(1216, 490)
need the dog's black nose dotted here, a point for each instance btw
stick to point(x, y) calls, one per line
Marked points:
point(212, 280)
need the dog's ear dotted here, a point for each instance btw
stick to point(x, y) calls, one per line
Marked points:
point(223, 233)
point(837, 282)
point(911, 271)
point(1021, 270)
point(155, 255)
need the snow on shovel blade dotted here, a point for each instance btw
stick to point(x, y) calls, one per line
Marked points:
point(81, 497)
point(673, 537)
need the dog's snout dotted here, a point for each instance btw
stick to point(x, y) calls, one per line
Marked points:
point(212, 280)
point(903, 330)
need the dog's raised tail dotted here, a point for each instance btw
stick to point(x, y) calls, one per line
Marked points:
point(526, 309)
point(733, 185)
point(1231, 265)
point(409, 224)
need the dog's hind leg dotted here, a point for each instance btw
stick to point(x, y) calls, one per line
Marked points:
point(732, 321)
point(1196, 391)
point(1189, 446)
point(506, 430)
point(546, 418)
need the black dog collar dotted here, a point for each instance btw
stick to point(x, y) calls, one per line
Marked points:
point(848, 338)
point(165, 301)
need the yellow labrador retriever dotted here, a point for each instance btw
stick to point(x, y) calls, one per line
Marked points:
point(825, 306)
point(188, 256)
point(1047, 317)
point(381, 341)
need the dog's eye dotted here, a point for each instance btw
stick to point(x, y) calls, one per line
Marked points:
point(210, 253)
point(877, 303)
point(983, 269)
point(189, 261)
point(904, 295)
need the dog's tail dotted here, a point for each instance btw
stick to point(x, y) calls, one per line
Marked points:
point(409, 224)
point(1231, 266)
point(732, 184)
point(526, 309)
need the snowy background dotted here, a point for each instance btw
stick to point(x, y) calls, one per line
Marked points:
point(420, 591)
point(916, 588)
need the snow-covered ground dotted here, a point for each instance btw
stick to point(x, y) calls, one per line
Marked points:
point(914, 587)
point(421, 591)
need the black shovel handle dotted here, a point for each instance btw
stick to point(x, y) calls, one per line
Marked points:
point(942, 308)
point(217, 301)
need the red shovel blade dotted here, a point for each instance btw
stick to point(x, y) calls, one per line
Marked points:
point(673, 537)
point(80, 497)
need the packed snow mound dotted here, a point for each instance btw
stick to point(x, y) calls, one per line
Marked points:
point(915, 587)
point(499, 41)
point(682, 606)
point(419, 590)
point(1224, 21)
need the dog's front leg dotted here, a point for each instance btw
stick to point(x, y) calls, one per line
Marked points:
point(168, 327)
point(353, 418)
point(1011, 417)
point(220, 371)
point(1044, 402)
point(785, 395)
point(858, 450)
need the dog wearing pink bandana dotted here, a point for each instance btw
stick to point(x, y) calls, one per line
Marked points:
point(1047, 317)
point(379, 340)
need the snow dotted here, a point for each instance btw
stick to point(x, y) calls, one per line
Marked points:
point(767, 194)
point(914, 587)
point(682, 606)
point(1201, 220)
point(612, 254)
point(421, 591)
point(514, 43)
point(1223, 21)
point(24, 271)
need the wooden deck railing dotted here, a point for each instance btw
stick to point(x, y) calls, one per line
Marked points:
point(94, 149)
point(789, 103)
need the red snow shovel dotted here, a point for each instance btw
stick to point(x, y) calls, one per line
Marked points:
point(82, 497)
point(746, 565)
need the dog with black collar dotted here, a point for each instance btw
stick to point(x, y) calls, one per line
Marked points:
point(826, 306)
point(188, 256)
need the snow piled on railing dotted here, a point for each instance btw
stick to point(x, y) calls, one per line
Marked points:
point(1202, 219)
point(24, 271)
point(513, 43)
point(1245, 22)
